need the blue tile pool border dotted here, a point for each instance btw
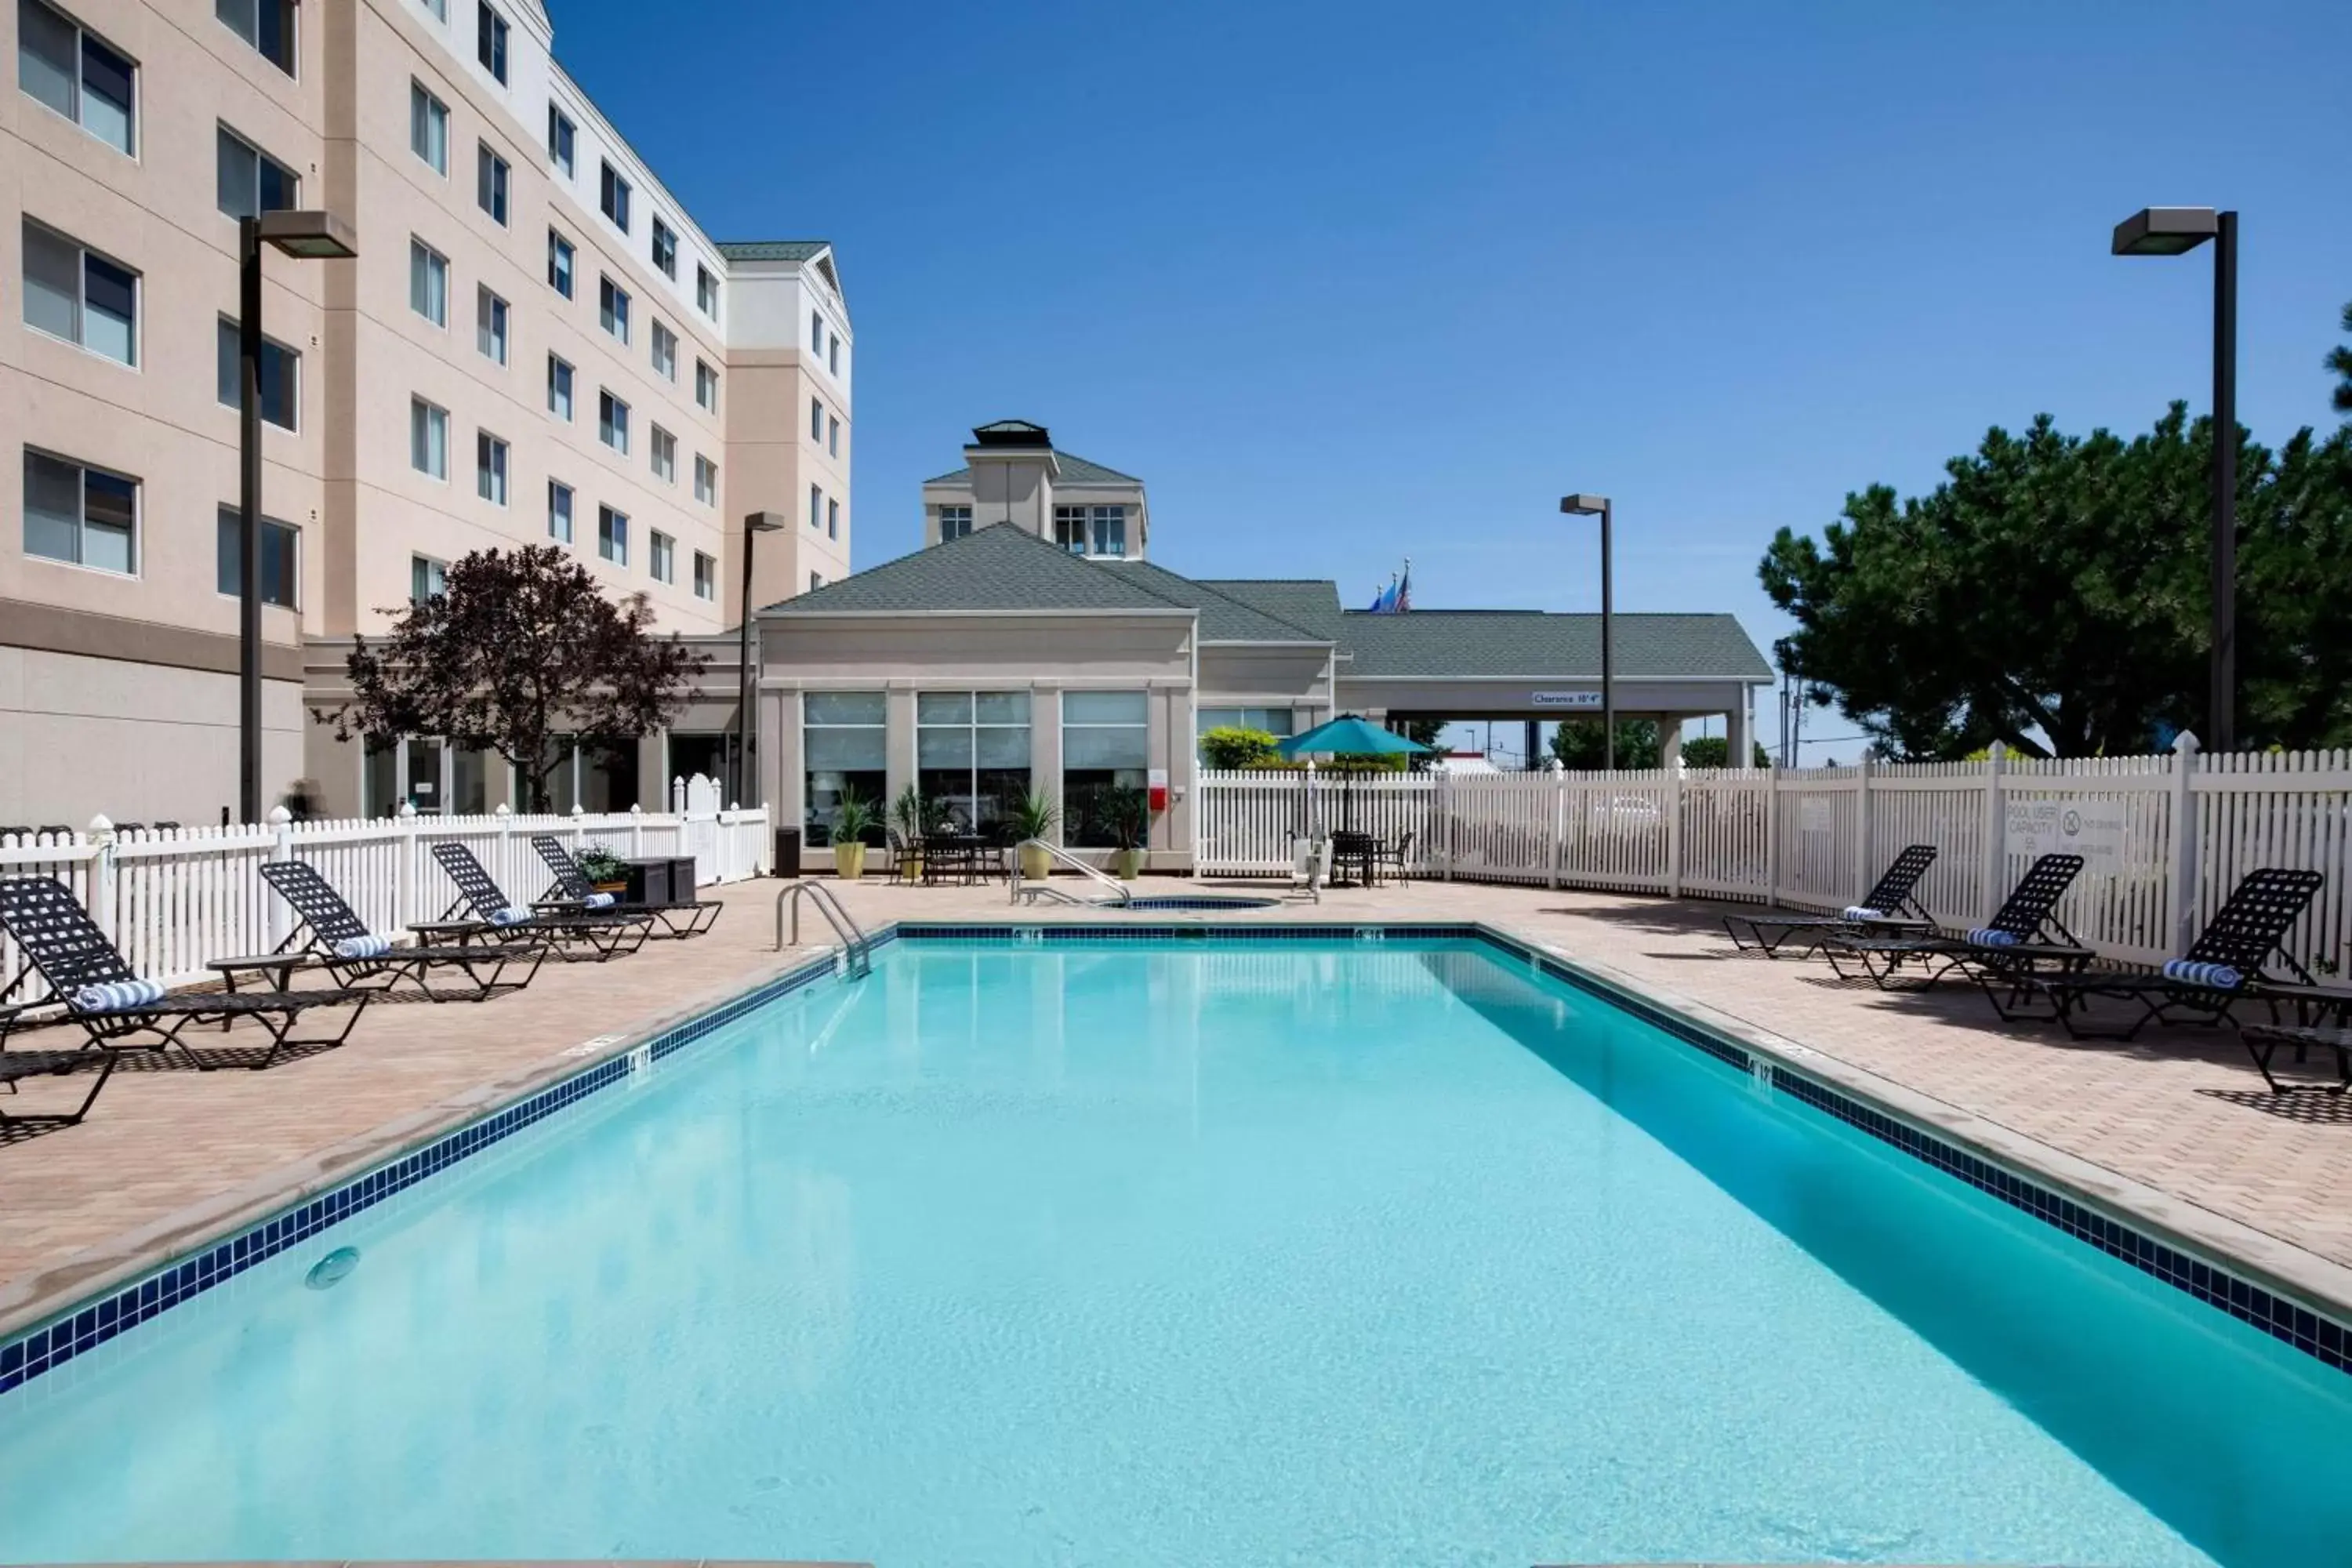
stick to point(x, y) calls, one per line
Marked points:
point(85, 1328)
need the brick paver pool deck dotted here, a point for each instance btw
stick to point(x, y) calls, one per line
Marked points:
point(2177, 1127)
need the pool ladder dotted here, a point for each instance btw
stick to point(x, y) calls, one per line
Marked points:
point(1115, 891)
point(856, 947)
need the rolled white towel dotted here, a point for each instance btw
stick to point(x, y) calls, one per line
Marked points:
point(512, 915)
point(368, 946)
point(117, 996)
point(597, 901)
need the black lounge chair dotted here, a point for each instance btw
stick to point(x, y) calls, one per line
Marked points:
point(2231, 960)
point(606, 933)
point(679, 918)
point(2263, 1042)
point(327, 922)
point(1890, 909)
point(2023, 938)
point(66, 947)
point(17, 1065)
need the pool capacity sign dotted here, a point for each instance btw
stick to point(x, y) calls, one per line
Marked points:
point(2093, 829)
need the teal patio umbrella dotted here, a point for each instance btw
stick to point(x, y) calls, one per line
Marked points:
point(1350, 736)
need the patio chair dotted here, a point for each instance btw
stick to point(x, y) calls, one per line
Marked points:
point(120, 1011)
point(2023, 935)
point(2231, 960)
point(1889, 909)
point(606, 933)
point(679, 918)
point(1396, 857)
point(332, 933)
point(18, 1065)
point(2263, 1042)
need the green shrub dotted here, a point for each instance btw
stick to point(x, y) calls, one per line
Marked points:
point(1230, 746)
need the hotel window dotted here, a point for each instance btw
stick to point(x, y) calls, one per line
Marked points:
point(661, 556)
point(249, 182)
point(428, 438)
point(428, 282)
point(559, 264)
point(490, 173)
point(490, 41)
point(816, 507)
point(427, 578)
point(706, 576)
point(440, 9)
point(664, 249)
point(1106, 749)
point(428, 128)
point(844, 739)
point(489, 467)
point(615, 197)
point(559, 388)
point(705, 292)
point(80, 515)
point(817, 420)
point(562, 139)
point(280, 377)
point(74, 293)
point(832, 518)
point(612, 307)
point(833, 353)
point(280, 558)
point(955, 523)
point(612, 422)
point(831, 436)
point(613, 535)
point(972, 751)
point(665, 343)
point(706, 387)
point(816, 580)
point(60, 65)
point(491, 325)
point(664, 448)
point(1091, 530)
point(559, 512)
point(816, 331)
point(706, 480)
point(266, 25)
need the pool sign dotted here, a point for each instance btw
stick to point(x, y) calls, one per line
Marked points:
point(1564, 698)
point(2093, 829)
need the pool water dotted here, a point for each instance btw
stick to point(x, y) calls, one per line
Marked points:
point(1188, 1253)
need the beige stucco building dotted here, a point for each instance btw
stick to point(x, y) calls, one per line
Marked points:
point(536, 343)
point(1010, 655)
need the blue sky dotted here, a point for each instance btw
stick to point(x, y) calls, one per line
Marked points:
point(1346, 284)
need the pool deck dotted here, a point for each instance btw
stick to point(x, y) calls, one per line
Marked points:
point(2177, 1129)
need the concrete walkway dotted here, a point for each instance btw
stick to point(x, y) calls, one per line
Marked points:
point(171, 1156)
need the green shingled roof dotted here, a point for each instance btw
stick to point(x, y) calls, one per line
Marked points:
point(771, 250)
point(1438, 643)
point(1311, 603)
point(1076, 471)
point(996, 568)
point(1223, 617)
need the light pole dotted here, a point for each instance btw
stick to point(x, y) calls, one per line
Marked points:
point(2169, 231)
point(754, 525)
point(325, 237)
point(1589, 506)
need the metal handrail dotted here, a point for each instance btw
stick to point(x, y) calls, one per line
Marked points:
point(1118, 891)
point(853, 940)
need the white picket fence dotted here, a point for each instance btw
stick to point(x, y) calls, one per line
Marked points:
point(1818, 838)
point(175, 899)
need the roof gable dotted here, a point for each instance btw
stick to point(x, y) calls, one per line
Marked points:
point(996, 568)
point(1075, 470)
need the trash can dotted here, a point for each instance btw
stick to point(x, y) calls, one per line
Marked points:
point(788, 852)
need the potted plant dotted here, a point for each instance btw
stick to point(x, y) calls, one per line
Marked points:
point(910, 820)
point(853, 819)
point(603, 870)
point(1127, 815)
point(1033, 815)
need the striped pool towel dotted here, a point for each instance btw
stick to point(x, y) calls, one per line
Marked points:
point(1990, 936)
point(368, 946)
point(117, 996)
point(597, 901)
point(512, 915)
point(2195, 972)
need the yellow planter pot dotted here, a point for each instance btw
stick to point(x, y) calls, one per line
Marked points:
point(1129, 863)
point(849, 861)
point(1036, 864)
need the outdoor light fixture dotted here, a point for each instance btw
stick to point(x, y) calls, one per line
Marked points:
point(754, 525)
point(2170, 231)
point(319, 235)
point(1598, 506)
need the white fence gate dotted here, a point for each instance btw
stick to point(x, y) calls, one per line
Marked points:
point(175, 899)
point(2164, 838)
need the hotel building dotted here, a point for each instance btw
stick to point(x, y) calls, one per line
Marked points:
point(536, 343)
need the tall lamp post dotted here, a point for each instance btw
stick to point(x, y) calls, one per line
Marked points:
point(754, 525)
point(1592, 506)
point(321, 236)
point(2169, 231)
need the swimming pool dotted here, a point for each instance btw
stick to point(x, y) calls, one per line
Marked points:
point(1152, 1250)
